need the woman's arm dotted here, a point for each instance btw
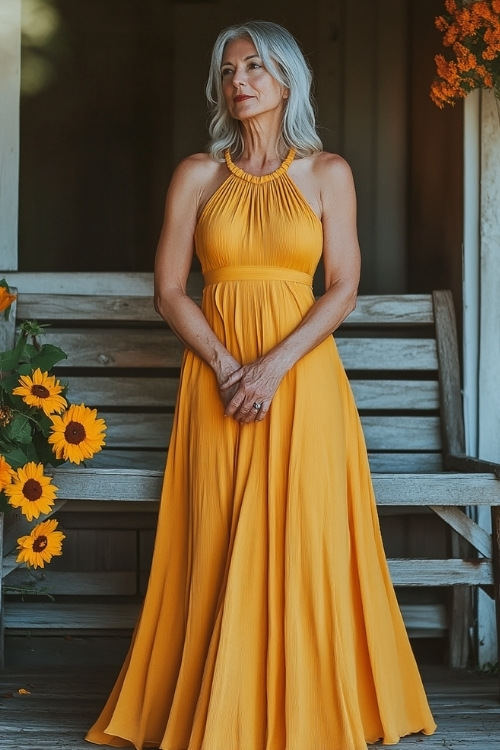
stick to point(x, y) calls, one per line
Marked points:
point(191, 179)
point(259, 380)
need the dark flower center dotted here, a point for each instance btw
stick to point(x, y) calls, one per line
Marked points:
point(75, 433)
point(32, 490)
point(40, 390)
point(39, 544)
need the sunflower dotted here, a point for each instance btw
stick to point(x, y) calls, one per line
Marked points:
point(6, 473)
point(6, 298)
point(41, 545)
point(31, 491)
point(77, 434)
point(41, 390)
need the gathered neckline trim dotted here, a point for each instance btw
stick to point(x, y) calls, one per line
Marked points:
point(281, 170)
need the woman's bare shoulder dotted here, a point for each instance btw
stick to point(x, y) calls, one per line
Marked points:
point(198, 167)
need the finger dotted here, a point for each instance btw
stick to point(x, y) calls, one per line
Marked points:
point(262, 413)
point(234, 378)
point(234, 405)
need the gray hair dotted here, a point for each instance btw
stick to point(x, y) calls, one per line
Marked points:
point(284, 60)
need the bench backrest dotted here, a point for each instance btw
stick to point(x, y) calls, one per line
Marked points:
point(123, 360)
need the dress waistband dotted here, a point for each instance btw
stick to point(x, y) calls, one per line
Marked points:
point(255, 273)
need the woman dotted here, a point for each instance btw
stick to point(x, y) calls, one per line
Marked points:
point(270, 622)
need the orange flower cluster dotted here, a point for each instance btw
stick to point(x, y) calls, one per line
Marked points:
point(471, 28)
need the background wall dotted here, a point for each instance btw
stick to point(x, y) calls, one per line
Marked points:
point(121, 101)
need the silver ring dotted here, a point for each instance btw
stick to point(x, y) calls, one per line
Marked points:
point(257, 405)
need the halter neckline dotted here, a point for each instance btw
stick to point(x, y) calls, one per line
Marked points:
point(281, 170)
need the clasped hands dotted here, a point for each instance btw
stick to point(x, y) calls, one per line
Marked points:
point(247, 387)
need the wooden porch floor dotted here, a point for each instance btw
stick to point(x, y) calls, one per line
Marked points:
point(64, 700)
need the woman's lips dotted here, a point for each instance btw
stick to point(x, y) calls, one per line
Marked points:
point(241, 98)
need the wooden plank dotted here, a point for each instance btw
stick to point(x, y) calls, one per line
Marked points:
point(392, 309)
point(79, 483)
point(387, 354)
point(66, 616)
point(69, 282)
point(108, 484)
point(124, 392)
point(58, 583)
point(150, 460)
point(437, 489)
point(396, 394)
point(141, 348)
point(397, 433)
point(449, 572)
point(111, 309)
point(424, 618)
point(449, 373)
point(466, 527)
point(144, 430)
point(147, 392)
point(402, 463)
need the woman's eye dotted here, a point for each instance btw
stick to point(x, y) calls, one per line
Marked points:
point(226, 72)
point(254, 65)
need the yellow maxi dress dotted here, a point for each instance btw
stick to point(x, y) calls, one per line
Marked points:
point(270, 621)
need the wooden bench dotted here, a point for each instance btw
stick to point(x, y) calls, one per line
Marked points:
point(402, 358)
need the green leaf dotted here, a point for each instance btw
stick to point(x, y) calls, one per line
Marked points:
point(47, 357)
point(15, 457)
point(9, 360)
point(18, 430)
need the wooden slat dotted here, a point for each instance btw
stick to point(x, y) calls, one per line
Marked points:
point(408, 309)
point(144, 430)
point(449, 374)
point(403, 463)
point(150, 392)
point(440, 572)
point(390, 489)
point(123, 392)
point(107, 484)
point(437, 489)
point(64, 616)
point(388, 354)
point(117, 348)
point(67, 616)
point(424, 618)
point(66, 307)
point(94, 583)
point(396, 394)
point(466, 527)
point(397, 433)
point(150, 460)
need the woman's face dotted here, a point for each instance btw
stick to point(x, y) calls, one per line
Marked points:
point(249, 90)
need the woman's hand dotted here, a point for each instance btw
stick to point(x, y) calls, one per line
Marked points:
point(255, 383)
point(222, 373)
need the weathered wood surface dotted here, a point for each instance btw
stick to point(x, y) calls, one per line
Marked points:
point(390, 489)
point(137, 392)
point(466, 527)
point(150, 347)
point(449, 572)
point(21, 617)
point(63, 702)
point(383, 433)
point(408, 309)
point(449, 373)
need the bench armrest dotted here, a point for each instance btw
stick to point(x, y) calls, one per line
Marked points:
point(469, 464)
